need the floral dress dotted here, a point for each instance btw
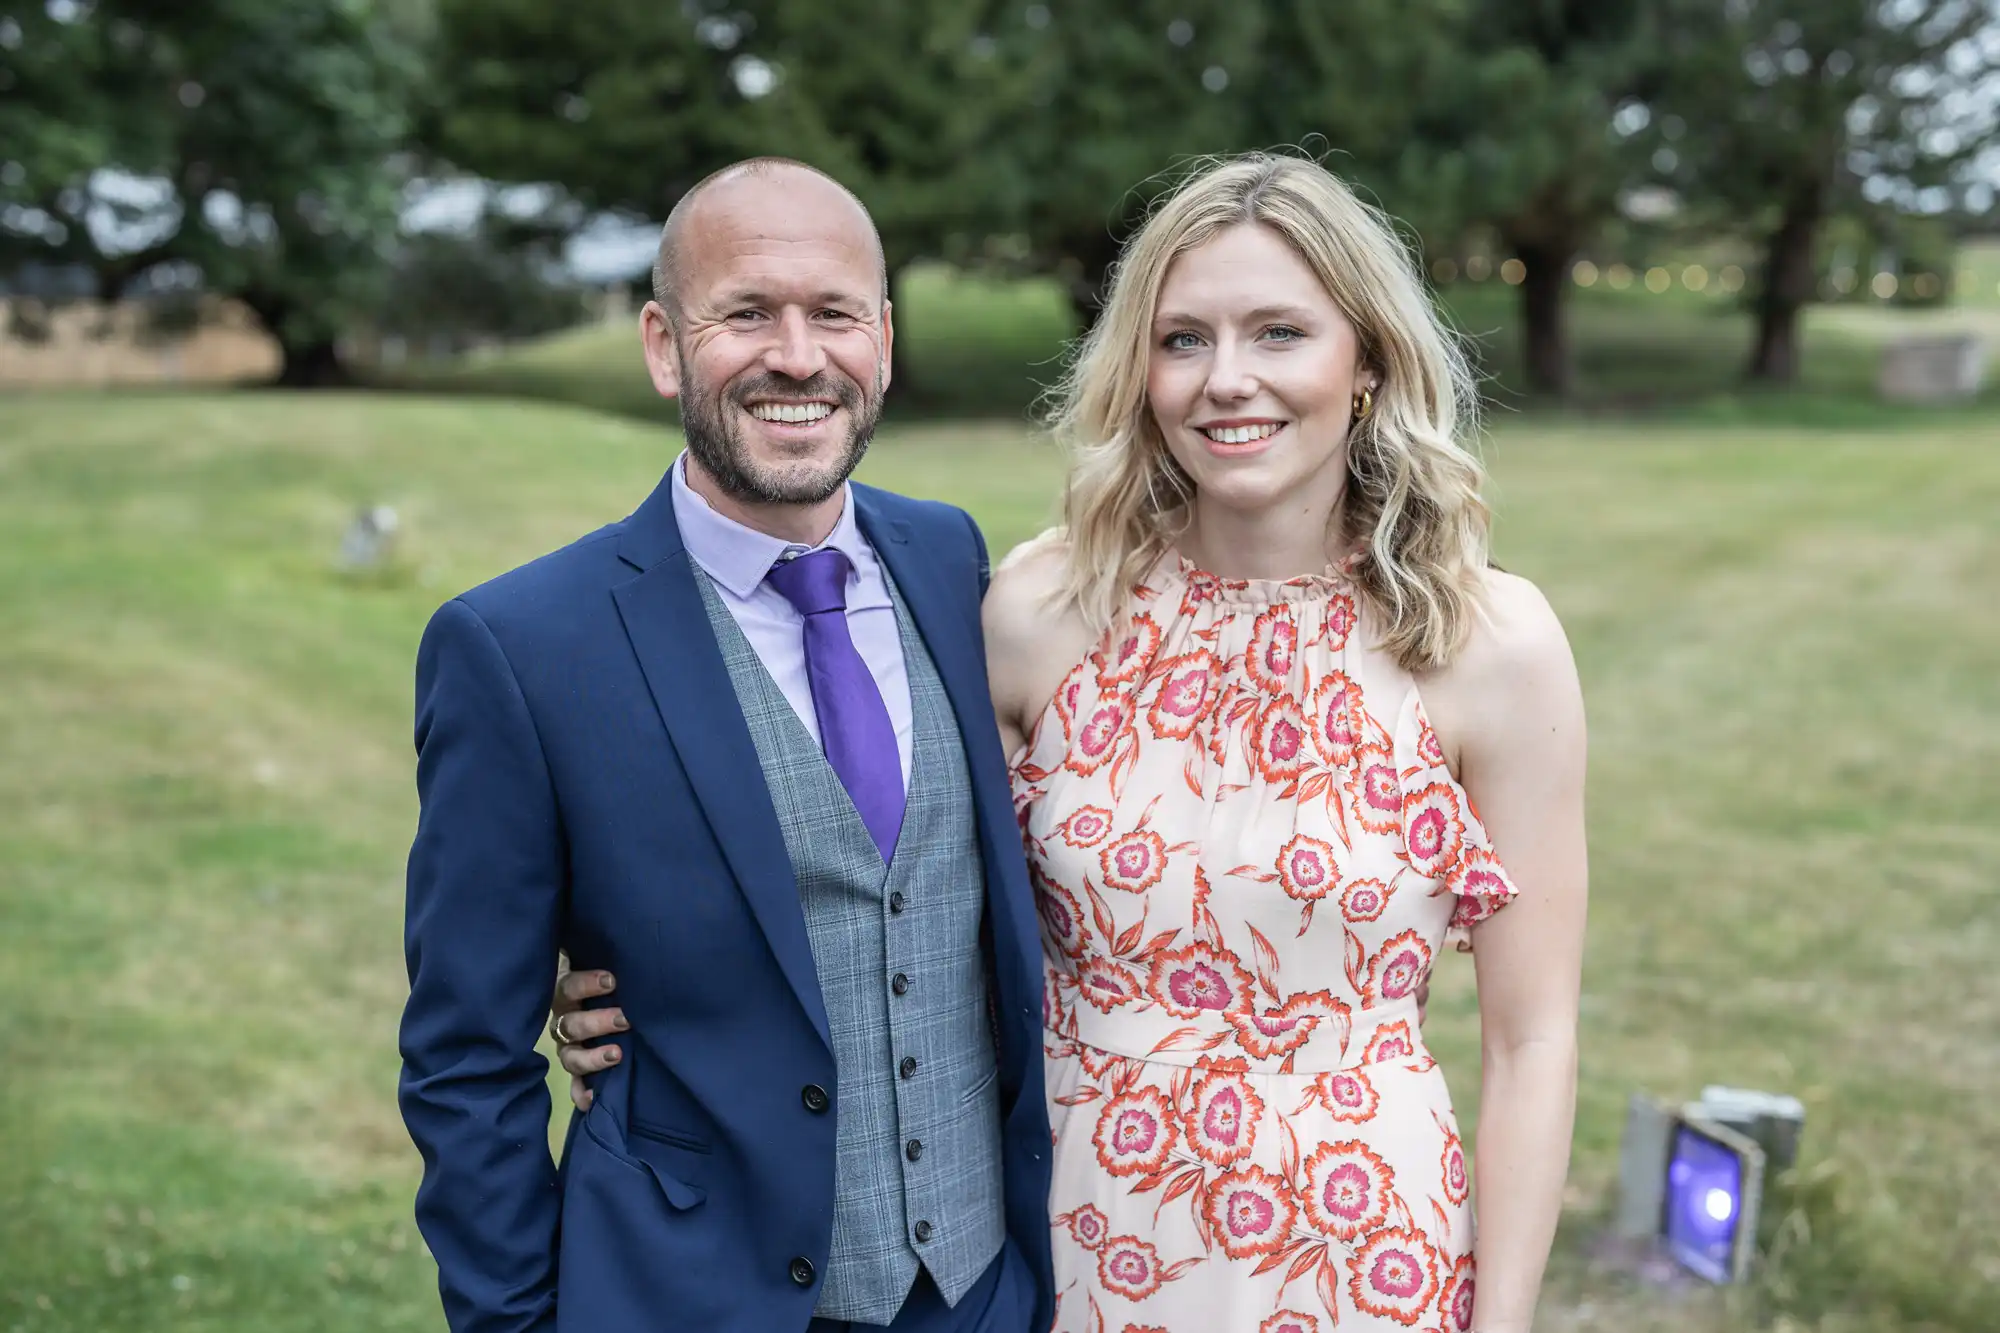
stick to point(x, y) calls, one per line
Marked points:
point(1247, 849)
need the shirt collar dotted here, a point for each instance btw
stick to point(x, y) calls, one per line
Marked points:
point(738, 557)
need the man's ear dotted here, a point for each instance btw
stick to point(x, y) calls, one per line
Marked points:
point(656, 336)
point(888, 344)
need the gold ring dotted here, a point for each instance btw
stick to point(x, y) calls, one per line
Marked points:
point(556, 1031)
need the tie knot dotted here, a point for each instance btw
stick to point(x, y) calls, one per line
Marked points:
point(815, 582)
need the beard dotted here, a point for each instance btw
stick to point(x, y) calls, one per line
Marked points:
point(715, 437)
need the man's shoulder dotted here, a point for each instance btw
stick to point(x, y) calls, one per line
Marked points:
point(931, 518)
point(547, 590)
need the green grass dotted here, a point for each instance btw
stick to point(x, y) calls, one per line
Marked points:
point(1791, 658)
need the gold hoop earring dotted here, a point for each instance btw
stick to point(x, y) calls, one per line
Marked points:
point(1364, 403)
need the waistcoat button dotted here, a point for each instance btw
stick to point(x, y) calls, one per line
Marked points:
point(923, 1232)
point(909, 1066)
point(914, 1149)
point(899, 984)
point(896, 901)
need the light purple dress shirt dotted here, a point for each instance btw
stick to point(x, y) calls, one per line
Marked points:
point(736, 559)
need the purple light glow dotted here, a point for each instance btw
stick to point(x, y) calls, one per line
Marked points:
point(1704, 1203)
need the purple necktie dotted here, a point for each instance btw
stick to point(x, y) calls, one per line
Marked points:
point(854, 726)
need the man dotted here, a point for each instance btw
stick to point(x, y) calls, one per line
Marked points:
point(737, 751)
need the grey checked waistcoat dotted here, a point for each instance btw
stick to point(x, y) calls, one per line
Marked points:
point(903, 976)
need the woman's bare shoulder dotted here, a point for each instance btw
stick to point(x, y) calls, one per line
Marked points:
point(1034, 631)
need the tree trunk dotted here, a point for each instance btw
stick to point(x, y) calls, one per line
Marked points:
point(314, 364)
point(1788, 285)
point(1544, 332)
point(310, 360)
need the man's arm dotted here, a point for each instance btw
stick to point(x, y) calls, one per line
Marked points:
point(480, 937)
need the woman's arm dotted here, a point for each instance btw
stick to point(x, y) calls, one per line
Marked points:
point(1032, 638)
point(1515, 711)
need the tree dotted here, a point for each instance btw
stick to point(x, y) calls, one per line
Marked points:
point(1536, 153)
point(246, 147)
point(1811, 108)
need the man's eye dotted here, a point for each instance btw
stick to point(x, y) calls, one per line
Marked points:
point(747, 314)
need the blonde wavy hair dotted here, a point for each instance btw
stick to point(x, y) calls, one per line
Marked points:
point(1411, 508)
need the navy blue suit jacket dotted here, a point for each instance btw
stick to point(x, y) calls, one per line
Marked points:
point(588, 782)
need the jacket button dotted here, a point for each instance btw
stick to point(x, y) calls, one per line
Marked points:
point(802, 1271)
point(908, 1068)
point(815, 1098)
point(923, 1232)
point(899, 984)
point(913, 1149)
point(896, 901)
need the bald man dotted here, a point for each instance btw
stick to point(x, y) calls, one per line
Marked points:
point(737, 752)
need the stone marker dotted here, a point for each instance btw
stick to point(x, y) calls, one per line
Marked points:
point(1940, 369)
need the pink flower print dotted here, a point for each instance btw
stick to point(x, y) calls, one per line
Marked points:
point(1376, 790)
point(1135, 862)
point(1347, 1189)
point(1250, 1211)
point(1340, 620)
point(1086, 827)
point(1274, 642)
point(1428, 748)
point(1433, 829)
point(1364, 900)
point(1455, 1304)
point(1128, 1267)
point(1088, 1226)
point(1062, 919)
point(1127, 654)
point(1278, 740)
point(1393, 1275)
point(1392, 1042)
point(1069, 697)
point(1135, 1132)
point(1222, 1117)
point(1097, 740)
point(1456, 1188)
point(1106, 984)
point(1306, 868)
point(1278, 1032)
point(1348, 1096)
point(1289, 1321)
point(1481, 885)
point(1190, 982)
point(1398, 968)
point(1189, 687)
point(1335, 702)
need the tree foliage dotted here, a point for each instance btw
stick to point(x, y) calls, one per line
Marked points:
point(249, 146)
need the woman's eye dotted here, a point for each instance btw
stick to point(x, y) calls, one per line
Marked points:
point(1283, 333)
point(1180, 342)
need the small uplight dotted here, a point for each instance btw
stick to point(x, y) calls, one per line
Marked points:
point(1658, 279)
point(1884, 285)
point(1694, 277)
point(1513, 272)
point(1585, 273)
point(1478, 268)
point(1619, 276)
point(1445, 270)
point(1731, 279)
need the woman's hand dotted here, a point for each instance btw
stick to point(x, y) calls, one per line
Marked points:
point(573, 1027)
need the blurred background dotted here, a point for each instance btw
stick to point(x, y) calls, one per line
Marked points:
point(319, 311)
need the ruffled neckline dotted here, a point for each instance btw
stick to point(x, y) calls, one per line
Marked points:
point(1200, 585)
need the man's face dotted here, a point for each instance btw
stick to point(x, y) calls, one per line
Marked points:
point(780, 352)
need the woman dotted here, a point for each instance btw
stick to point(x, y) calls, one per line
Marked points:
point(1280, 732)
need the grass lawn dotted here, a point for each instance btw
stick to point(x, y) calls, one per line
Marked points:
point(1788, 641)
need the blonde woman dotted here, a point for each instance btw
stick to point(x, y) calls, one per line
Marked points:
point(1279, 732)
point(1282, 731)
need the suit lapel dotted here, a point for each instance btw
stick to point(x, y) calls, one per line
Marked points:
point(669, 628)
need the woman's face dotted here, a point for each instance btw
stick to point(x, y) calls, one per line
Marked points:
point(1253, 373)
